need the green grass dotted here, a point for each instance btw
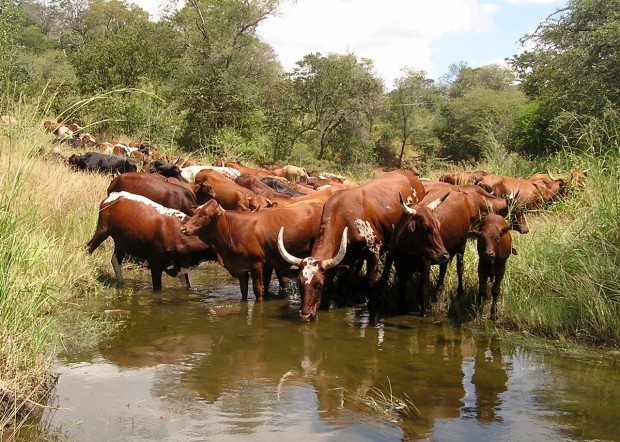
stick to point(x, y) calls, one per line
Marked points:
point(45, 217)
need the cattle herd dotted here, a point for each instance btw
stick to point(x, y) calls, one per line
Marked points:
point(321, 230)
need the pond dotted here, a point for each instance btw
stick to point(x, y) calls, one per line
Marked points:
point(204, 366)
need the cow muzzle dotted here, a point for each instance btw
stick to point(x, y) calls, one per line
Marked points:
point(306, 316)
point(442, 258)
point(488, 255)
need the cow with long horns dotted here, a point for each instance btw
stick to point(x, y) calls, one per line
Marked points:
point(356, 225)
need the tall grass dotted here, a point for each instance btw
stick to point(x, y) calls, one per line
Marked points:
point(45, 216)
point(564, 282)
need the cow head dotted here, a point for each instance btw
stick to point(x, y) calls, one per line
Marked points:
point(203, 219)
point(312, 274)
point(516, 214)
point(420, 229)
point(258, 202)
point(204, 192)
point(76, 161)
point(489, 237)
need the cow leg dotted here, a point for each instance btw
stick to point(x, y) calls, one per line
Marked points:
point(425, 276)
point(266, 280)
point(459, 272)
point(443, 269)
point(257, 283)
point(372, 270)
point(404, 271)
point(117, 260)
point(101, 232)
point(244, 279)
point(283, 282)
point(482, 285)
point(184, 278)
point(496, 289)
point(156, 271)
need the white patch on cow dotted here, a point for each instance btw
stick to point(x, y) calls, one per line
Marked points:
point(310, 269)
point(368, 234)
point(415, 196)
point(139, 198)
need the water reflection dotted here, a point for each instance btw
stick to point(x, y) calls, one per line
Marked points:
point(204, 365)
point(490, 379)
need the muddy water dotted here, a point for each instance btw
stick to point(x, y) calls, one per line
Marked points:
point(203, 366)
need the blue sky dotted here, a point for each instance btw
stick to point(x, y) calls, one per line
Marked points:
point(423, 35)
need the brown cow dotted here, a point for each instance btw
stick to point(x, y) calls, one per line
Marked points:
point(369, 213)
point(243, 170)
point(416, 239)
point(458, 213)
point(150, 231)
point(494, 248)
point(254, 183)
point(155, 188)
point(230, 195)
point(322, 195)
point(528, 194)
point(248, 242)
point(59, 129)
point(463, 177)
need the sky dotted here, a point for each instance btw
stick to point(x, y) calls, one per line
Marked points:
point(395, 34)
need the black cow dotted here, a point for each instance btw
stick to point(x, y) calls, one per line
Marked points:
point(167, 170)
point(280, 186)
point(98, 162)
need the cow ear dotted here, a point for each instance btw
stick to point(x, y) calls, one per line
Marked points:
point(504, 231)
point(473, 234)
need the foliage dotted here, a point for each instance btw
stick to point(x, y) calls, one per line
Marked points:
point(338, 99)
point(413, 109)
point(469, 120)
point(126, 58)
point(227, 69)
point(574, 66)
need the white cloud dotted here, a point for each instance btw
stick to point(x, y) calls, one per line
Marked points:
point(392, 33)
point(533, 2)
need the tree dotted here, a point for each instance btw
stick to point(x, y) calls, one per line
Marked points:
point(479, 112)
point(338, 99)
point(412, 107)
point(227, 70)
point(10, 18)
point(574, 68)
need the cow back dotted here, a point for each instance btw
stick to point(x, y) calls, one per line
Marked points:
point(153, 187)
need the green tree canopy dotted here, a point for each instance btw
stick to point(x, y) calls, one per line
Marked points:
point(339, 98)
point(573, 70)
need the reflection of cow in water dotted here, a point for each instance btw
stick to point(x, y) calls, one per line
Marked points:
point(230, 363)
point(490, 379)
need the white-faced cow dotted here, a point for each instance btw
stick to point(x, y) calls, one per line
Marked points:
point(356, 224)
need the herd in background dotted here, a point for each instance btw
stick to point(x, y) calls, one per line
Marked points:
point(320, 229)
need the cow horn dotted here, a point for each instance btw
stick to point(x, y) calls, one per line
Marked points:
point(333, 262)
point(405, 207)
point(553, 178)
point(285, 255)
point(435, 203)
